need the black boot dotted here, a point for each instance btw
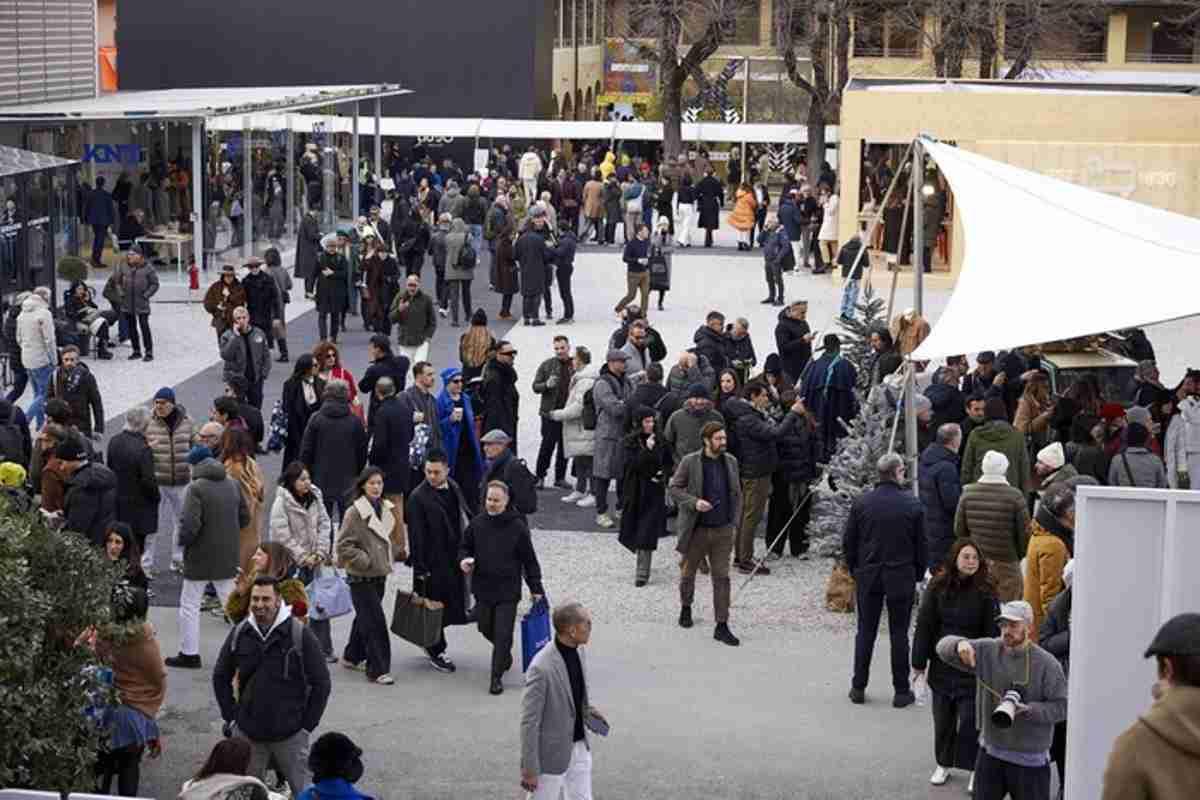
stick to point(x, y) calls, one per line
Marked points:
point(102, 351)
point(722, 634)
point(497, 686)
point(283, 352)
point(685, 617)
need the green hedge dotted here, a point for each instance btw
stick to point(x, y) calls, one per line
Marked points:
point(52, 586)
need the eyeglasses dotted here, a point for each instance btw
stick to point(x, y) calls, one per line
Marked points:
point(507, 353)
point(456, 380)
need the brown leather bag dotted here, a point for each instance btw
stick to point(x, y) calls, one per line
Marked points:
point(839, 591)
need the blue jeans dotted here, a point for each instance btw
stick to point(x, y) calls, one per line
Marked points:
point(476, 234)
point(40, 377)
point(849, 298)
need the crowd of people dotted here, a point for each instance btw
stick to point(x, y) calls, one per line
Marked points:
point(702, 443)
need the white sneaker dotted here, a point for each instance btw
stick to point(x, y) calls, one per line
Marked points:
point(939, 776)
point(588, 501)
point(971, 784)
point(574, 497)
point(605, 521)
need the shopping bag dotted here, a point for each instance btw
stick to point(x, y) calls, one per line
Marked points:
point(277, 439)
point(660, 270)
point(839, 592)
point(535, 631)
point(417, 619)
point(328, 595)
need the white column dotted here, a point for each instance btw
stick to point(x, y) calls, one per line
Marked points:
point(378, 148)
point(198, 177)
point(354, 210)
point(247, 191)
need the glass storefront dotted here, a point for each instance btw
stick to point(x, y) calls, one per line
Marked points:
point(39, 217)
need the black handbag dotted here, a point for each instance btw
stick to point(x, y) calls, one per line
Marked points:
point(417, 619)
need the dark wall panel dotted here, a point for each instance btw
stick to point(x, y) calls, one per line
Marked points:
point(463, 58)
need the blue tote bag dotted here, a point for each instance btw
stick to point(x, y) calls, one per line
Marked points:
point(328, 595)
point(535, 631)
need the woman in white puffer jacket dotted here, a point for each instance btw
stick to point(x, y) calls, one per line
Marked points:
point(1183, 444)
point(579, 443)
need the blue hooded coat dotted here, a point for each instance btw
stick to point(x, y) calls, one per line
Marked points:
point(451, 431)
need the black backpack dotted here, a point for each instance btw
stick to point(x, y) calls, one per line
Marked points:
point(588, 414)
point(12, 444)
point(467, 258)
point(522, 485)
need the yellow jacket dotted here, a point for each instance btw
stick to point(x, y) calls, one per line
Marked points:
point(1044, 562)
point(608, 166)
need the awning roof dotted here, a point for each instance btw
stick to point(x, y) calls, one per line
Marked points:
point(533, 128)
point(195, 103)
point(14, 161)
point(1084, 262)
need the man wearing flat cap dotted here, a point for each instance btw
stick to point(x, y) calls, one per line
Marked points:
point(1158, 756)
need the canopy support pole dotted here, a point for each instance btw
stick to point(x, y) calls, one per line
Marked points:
point(378, 199)
point(198, 209)
point(746, 117)
point(290, 203)
point(247, 191)
point(918, 259)
point(354, 171)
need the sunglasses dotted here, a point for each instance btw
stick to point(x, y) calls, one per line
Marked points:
point(456, 380)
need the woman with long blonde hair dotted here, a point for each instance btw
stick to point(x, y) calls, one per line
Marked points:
point(476, 346)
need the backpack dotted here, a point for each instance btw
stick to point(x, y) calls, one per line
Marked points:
point(297, 648)
point(12, 445)
point(467, 258)
point(634, 204)
point(523, 486)
point(588, 414)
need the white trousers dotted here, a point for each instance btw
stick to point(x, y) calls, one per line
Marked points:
point(530, 191)
point(418, 353)
point(170, 508)
point(798, 253)
point(189, 611)
point(574, 784)
point(685, 218)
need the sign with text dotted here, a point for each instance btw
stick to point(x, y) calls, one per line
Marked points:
point(627, 72)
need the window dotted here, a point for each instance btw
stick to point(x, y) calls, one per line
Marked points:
point(744, 28)
point(798, 27)
point(1171, 43)
point(904, 36)
point(868, 34)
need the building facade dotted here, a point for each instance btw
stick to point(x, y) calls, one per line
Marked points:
point(47, 50)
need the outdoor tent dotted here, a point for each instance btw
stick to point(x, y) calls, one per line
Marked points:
point(1046, 260)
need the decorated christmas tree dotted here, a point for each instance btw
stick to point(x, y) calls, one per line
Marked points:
point(852, 465)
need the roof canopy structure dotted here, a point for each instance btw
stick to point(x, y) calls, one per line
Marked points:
point(190, 104)
point(14, 161)
point(1086, 263)
point(523, 129)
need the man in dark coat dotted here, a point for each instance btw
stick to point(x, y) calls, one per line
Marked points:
point(532, 254)
point(793, 339)
point(436, 513)
point(940, 489)
point(90, 501)
point(130, 459)
point(334, 448)
point(333, 294)
point(246, 351)
point(384, 364)
point(496, 549)
point(711, 342)
point(789, 218)
point(391, 435)
point(500, 396)
point(264, 301)
point(564, 264)
point(75, 384)
point(828, 390)
point(100, 213)
point(710, 197)
point(308, 248)
point(884, 544)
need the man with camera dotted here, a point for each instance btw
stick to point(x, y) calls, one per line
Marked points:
point(1021, 692)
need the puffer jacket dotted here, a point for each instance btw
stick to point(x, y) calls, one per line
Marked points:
point(35, 334)
point(170, 438)
point(940, 490)
point(303, 530)
point(454, 245)
point(712, 346)
point(996, 517)
point(214, 513)
point(90, 503)
point(759, 439)
point(577, 441)
point(368, 545)
point(1048, 553)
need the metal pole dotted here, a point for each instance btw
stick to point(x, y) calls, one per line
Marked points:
point(575, 48)
point(910, 423)
point(354, 170)
point(745, 115)
point(247, 191)
point(290, 166)
point(198, 209)
point(918, 214)
point(378, 149)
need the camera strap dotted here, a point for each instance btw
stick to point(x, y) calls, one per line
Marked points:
point(1000, 695)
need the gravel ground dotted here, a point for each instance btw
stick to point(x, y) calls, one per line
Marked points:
point(597, 571)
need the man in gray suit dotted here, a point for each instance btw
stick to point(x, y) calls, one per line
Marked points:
point(555, 714)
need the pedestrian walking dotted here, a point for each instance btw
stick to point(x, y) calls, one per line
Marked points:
point(456, 420)
point(283, 284)
point(708, 494)
point(214, 511)
point(222, 297)
point(609, 395)
point(246, 351)
point(552, 381)
point(939, 492)
point(556, 712)
point(959, 601)
point(578, 440)
point(884, 543)
point(290, 685)
point(533, 255)
point(332, 292)
point(710, 199)
point(414, 312)
point(132, 461)
point(334, 447)
point(300, 522)
point(496, 550)
point(300, 399)
point(35, 334)
point(647, 460)
point(169, 434)
point(370, 541)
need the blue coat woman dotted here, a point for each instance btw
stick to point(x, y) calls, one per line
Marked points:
point(466, 459)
